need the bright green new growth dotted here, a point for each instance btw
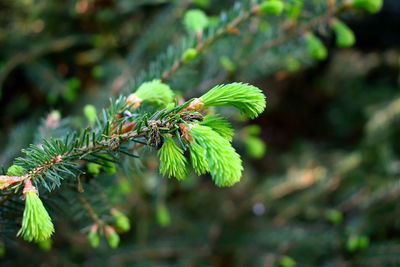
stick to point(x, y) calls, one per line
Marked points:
point(274, 7)
point(357, 243)
point(246, 98)
point(372, 6)
point(294, 8)
point(189, 54)
point(227, 63)
point(198, 158)
point(36, 222)
point(15, 170)
point(103, 164)
point(94, 168)
point(90, 113)
point(255, 147)
point(286, 261)
point(219, 125)
point(162, 215)
point(195, 20)
point(45, 244)
point(155, 92)
point(172, 161)
point(121, 221)
point(224, 163)
point(94, 239)
point(335, 216)
point(112, 238)
point(316, 48)
point(344, 35)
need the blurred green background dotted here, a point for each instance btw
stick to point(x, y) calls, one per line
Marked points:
point(322, 163)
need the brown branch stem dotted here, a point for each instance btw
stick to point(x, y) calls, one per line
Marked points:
point(90, 210)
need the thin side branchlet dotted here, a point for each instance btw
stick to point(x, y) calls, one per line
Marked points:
point(207, 139)
point(36, 223)
point(172, 160)
point(224, 163)
point(154, 92)
point(246, 98)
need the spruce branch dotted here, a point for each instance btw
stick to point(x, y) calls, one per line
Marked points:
point(201, 45)
point(177, 56)
point(291, 31)
point(57, 155)
point(56, 158)
point(150, 34)
point(36, 223)
point(122, 224)
point(171, 129)
point(168, 63)
point(246, 98)
point(149, 119)
point(172, 160)
point(224, 163)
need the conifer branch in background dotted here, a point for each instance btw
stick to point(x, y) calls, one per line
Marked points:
point(291, 29)
point(203, 44)
point(90, 210)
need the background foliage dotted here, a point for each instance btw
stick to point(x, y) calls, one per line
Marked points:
point(324, 193)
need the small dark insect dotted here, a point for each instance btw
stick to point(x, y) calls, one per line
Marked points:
point(154, 136)
point(113, 143)
point(192, 116)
